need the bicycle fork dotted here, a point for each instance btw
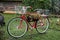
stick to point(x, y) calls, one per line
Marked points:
point(20, 25)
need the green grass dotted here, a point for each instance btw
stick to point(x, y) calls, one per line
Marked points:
point(53, 32)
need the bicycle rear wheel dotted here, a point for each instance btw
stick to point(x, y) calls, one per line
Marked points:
point(42, 25)
point(15, 28)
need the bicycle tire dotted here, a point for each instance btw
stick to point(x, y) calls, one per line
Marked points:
point(39, 30)
point(10, 32)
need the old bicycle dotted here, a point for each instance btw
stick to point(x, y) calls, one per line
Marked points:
point(18, 26)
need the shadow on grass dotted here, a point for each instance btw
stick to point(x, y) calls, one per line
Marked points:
point(27, 37)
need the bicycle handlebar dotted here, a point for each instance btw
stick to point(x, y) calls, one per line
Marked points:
point(41, 10)
point(46, 11)
point(28, 7)
point(38, 10)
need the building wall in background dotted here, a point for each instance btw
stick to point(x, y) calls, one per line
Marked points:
point(9, 5)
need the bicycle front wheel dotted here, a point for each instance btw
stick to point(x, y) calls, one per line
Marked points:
point(42, 25)
point(16, 27)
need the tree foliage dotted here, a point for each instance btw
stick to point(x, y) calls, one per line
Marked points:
point(52, 5)
point(44, 4)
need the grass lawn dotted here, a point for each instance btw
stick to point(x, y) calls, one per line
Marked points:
point(53, 32)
